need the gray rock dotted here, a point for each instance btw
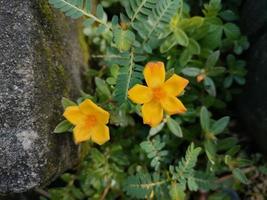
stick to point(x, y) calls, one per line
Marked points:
point(252, 104)
point(40, 61)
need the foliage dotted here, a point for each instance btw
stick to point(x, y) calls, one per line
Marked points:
point(186, 153)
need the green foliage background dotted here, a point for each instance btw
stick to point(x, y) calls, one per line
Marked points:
point(188, 155)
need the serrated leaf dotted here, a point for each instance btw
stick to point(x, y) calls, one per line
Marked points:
point(63, 127)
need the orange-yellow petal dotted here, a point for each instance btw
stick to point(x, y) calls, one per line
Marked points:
point(152, 113)
point(90, 108)
point(172, 105)
point(140, 94)
point(175, 85)
point(81, 133)
point(154, 74)
point(100, 134)
point(74, 115)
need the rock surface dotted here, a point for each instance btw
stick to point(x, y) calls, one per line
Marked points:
point(40, 58)
point(252, 104)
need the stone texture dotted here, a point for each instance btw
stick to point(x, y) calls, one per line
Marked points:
point(40, 61)
point(252, 104)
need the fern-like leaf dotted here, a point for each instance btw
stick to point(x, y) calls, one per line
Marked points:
point(142, 185)
point(78, 8)
point(160, 16)
point(155, 152)
point(129, 75)
point(184, 172)
point(139, 10)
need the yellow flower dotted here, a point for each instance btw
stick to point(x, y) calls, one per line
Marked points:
point(158, 95)
point(90, 122)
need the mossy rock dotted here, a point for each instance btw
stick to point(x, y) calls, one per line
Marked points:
point(41, 57)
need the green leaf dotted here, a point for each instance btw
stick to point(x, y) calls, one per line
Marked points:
point(210, 150)
point(191, 71)
point(78, 8)
point(193, 47)
point(232, 31)
point(186, 165)
point(63, 127)
point(212, 59)
point(215, 71)
point(158, 17)
point(123, 39)
point(176, 192)
point(240, 175)
point(205, 119)
point(210, 86)
point(141, 185)
point(168, 43)
point(66, 103)
point(228, 81)
point(213, 39)
point(102, 86)
point(129, 75)
point(185, 57)
point(155, 130)
point(228, 15)
point(100, 11)
point(219, 126)
point(174, 127)
point(181, 37)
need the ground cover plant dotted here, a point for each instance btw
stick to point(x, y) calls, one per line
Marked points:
point(152, 119)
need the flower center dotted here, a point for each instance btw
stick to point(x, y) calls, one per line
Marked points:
point(91, 120)
point(158, 93)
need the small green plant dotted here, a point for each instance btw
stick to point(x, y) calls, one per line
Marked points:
point(188, 149)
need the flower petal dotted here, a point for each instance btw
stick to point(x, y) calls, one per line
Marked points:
point(81, 133)
point(140, 94)
point(152, 113)
point(172, 105)
point(154, 73)
point(74, 115)
point(175, 85)
point(88, 107)
point(100, 134)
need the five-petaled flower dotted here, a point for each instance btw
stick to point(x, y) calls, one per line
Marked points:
point(90, 122)
point(158, 95)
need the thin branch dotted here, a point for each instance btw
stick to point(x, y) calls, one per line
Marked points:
point(103, 196)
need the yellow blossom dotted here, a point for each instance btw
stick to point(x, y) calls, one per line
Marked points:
point(158, 96)
point(90, 122)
